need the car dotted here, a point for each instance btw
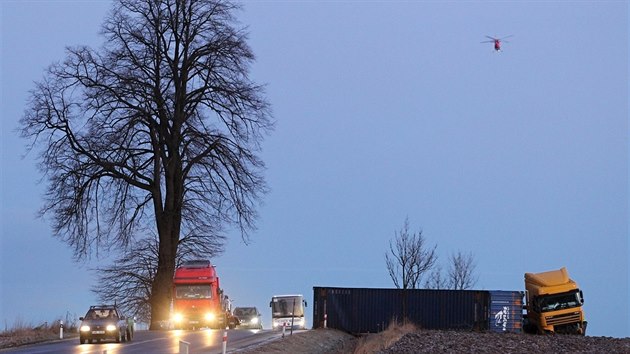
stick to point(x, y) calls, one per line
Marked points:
point(248, 317)
point(105, 322)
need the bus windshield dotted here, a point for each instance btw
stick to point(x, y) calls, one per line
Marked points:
point(287, 306)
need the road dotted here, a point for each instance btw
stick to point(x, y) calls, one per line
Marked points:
point(158, 342)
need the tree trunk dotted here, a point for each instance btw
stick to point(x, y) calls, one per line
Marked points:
point(161, 290)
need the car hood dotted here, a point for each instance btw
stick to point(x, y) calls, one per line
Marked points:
point(99, 322)
point(246, 317)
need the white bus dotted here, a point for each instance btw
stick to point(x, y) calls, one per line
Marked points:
point(288, 311)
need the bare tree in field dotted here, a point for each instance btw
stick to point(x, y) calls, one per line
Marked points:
point(461, 271)
point(409, 257)
point(159, 129)
point(436, 280)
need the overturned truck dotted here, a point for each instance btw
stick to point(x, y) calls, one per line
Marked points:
point(554, 304)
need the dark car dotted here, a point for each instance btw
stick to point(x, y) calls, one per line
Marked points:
point(105, 322)
point(248, 317)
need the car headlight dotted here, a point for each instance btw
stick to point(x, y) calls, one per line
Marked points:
point(178, 317)
point(85, 328)
point(110, 328)
point(210, 316)
point(254, 320)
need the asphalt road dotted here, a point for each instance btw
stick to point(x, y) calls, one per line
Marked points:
point(158, 342)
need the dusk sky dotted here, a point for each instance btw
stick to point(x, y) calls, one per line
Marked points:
point(384, 110)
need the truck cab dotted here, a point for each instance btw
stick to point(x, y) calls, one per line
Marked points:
point(197, 299)
point(554, 303)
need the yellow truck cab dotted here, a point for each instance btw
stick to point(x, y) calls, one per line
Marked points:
point(553, 303)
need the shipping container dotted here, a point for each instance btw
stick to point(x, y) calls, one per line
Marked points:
point(506, 311)
point(369, 310)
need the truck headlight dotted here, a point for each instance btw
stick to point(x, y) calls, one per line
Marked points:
point(110, 328)
point(85, 328)
point(178, 317)
point(210, 316)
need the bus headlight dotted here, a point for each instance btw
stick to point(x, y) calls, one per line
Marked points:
point(210, 316)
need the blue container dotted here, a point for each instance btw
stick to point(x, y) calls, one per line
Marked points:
point(506, 311)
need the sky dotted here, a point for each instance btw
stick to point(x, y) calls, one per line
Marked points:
point(384, 111)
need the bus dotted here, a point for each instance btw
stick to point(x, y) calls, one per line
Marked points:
point(288, 311)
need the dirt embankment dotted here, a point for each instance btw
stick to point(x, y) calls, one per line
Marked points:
point(410, 340)
point(473, 342)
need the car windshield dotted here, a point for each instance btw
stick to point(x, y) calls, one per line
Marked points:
point(100, 314)
point(245, 311)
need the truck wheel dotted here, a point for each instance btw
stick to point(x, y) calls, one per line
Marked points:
point(528, 327)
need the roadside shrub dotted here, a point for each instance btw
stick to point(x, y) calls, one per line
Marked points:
point(376, 342)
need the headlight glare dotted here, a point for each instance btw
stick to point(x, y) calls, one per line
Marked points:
point(209, 316)
point(110, 328)
point(178, 317)
point(85, 328)
point(254, 320)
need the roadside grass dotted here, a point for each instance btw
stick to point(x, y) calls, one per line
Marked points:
point(22, 333)
point(376, 342)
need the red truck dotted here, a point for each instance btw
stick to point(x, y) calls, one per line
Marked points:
point(198, 301)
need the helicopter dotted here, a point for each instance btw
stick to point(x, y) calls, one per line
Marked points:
point(497, 42)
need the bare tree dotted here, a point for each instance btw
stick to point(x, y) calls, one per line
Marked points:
point(461, 271)
point(436, 280)
point(127, 282)
point(409, 258)
point(159, 129)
